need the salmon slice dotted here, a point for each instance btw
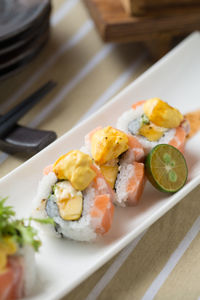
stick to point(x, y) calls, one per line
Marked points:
point(103, 209)
point(101, 185)
point(102, 213)
point(137, 104)
point(135, 184)
point(88, 137)
point(179, 139)
point(130, 184)
point(135, 148)
point(48, 169)
point(12, 279)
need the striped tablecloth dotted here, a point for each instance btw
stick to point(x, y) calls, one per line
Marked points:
point(164, 262)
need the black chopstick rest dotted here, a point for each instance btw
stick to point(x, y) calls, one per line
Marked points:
point(26, 140)
point(19, 139)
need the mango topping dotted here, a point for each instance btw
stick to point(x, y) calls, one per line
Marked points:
point(108, 143)
point(75, 166)
point(151, 132)
point(7, 247)
point(69, 201)
point(162, 114)
point(110, 173)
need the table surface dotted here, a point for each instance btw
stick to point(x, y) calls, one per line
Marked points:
point(164, 262)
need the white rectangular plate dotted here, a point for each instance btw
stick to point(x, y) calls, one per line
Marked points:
point(63, 264)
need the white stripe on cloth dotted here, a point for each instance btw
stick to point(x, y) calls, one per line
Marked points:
point(173, 260)
point(113, 269)
point(96, 59)
point(115, 87)
point(81, 33)
point(63, 11)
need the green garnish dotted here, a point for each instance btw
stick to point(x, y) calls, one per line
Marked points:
point(144, 120)
point(20, 230)
point(53, 189)
point(44, 221)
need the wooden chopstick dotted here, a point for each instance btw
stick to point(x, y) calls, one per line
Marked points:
point(8, 121)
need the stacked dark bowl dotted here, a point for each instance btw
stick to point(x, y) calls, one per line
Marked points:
point(24, 30)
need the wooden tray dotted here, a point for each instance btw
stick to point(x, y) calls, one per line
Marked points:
point(141, 7)
point(157, 29)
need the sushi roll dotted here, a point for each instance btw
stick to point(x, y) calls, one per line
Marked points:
point(74, 193)
point(154, 122)
point(119, 157)
point(18, 244)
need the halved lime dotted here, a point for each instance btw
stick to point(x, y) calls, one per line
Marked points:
point(166, 168)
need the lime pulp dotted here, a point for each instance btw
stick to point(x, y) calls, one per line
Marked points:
point(166, 168)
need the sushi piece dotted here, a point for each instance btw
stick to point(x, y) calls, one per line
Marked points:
point(74, 193)
point(18, 243)
point(119, 157)
point(153, 122)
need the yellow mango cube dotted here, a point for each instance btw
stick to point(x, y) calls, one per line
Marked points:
point(110, 173)
point(151, 132)
point(71, 209)
point(108, 143)
point(162, 114)
point(75, 166)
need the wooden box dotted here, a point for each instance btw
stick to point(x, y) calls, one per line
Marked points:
point(141, 7)
point(157, 30)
